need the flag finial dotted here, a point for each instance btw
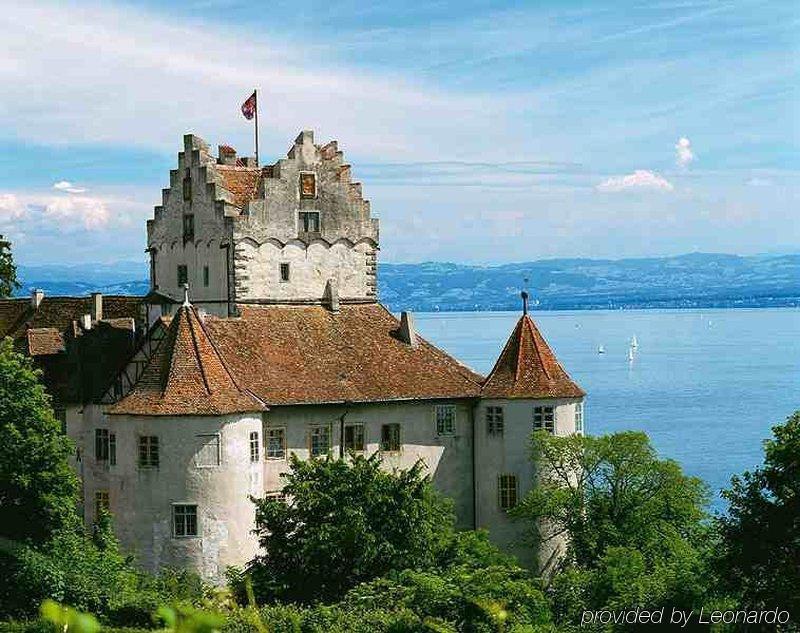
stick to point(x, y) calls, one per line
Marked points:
point(186, 303)
point(524, 296)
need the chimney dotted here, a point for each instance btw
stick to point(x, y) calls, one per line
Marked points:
point(332, 295)
point(408, 334)
point(37, 296)
point(227, 155)
point(86, 321)
point(97, 306)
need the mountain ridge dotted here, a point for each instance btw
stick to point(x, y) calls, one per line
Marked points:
point(680, 281)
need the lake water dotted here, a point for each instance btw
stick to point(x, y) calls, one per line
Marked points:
point(706, 386)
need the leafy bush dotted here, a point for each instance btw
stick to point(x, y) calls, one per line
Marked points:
point(346, 522)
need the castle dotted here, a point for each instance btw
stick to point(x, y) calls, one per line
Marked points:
point(262, 337)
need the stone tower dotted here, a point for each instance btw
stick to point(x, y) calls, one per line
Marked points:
point(297, 231)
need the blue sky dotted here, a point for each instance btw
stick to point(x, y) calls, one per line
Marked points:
point(483, 132)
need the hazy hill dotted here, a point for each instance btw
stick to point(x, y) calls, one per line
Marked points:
point(694, 280)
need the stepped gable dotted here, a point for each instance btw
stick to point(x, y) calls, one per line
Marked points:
point(186, 376)
point(242, 182)
point(528, 368)
point(310, 355)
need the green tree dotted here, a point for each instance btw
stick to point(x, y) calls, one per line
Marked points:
point(636, 523)
point(343, 523)
point(8, 270)
point(760, 559)
point(38, 489)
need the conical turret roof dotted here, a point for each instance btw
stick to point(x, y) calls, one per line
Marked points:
point(528, 368)
point(186, 376)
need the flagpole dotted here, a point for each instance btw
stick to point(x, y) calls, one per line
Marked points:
point(255, 92)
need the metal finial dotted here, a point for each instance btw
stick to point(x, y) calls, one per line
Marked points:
point(186, 303)
point(524, 296)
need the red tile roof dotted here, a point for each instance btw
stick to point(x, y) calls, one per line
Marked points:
point(187, 376)
point(308, 354)
point(292, 355)
point(527, 368)
point(17, 315)
point(45, 341)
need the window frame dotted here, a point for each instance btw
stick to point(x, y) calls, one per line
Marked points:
point(284, 266)
point(442, 424)
point(206, 277)
point(188, 227)
point(507, 496)
point(303, 223)
point(544, 418)
point(255, 447)
point(196, 514)
point(210, 436)
point(495, 421)
point(579, 418)
point(101, 500)
point(300, 178)
point(101, 446)
point(145, 453)
point(268, 436)
point(398, 439)
point(311, 434)
point(363, 432)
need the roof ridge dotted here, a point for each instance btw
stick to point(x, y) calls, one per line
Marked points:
point(196, 347)
point(534, 331)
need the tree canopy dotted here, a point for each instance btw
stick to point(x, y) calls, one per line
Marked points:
point(38, 489)
point(8, 270)
point(760, 560)
point(635, 522)
point(345, 522)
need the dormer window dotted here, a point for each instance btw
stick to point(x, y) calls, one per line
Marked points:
point(309, 221)
point(308, 185)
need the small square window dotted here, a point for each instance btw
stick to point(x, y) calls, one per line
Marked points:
point(100, 502)
point(507, 491)
point(320, 443)
point(284, 271)
point(445, 419)
point(184, 519)
point(390, 438)
point(187, 186)
point(309, 221)
point(579, 418)
point(183, 274)
point(188, 227)
point(494, 421)
point(544, 419)
point(276, 443)
point(354, 438)
point(255, 447)
point(276, 495)
point(148, 451)
point(308, 185)
point(209, 454)
point(206, 276)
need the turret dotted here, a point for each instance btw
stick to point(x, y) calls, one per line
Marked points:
point(527, 390)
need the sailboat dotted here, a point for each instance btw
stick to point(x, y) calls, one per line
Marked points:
point(634, 342)
point(601, 350)
point(630, 354)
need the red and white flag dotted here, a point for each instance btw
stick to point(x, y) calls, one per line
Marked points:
point(249, 106)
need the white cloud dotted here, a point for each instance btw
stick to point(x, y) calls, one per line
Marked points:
point(11, 207)
point(756, 181)
point(91, 212)
point(683, 152)
point(639, 179)
point(68, 187)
